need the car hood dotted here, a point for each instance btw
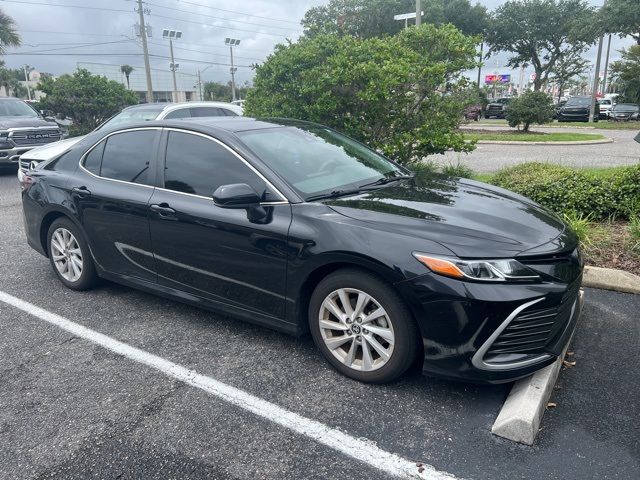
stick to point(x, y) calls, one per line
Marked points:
point(24, 122)
point(469, 218)
point(50, 150)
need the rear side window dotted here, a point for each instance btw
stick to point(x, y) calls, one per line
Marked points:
point(207, 112)
point(127, 156)
point(199, 166)
point(180, 113)
point(93, 160)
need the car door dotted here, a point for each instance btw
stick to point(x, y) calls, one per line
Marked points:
point(224, 255)
point(111, 193)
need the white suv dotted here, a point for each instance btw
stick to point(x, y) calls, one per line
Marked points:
point(133, 114)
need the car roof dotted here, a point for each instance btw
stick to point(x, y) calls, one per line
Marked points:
point(237, 124)
point(175, 105)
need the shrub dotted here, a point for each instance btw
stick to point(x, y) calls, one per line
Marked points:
point(457, 170)
point(530, 107)
point(397, 94)
point(565, 190)
point(580, 224)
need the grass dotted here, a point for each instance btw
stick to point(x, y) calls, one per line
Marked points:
point(532, 136)
point(614, 244)
point(603, 124)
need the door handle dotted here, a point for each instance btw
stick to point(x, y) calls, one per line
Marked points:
point(81, 191)
point(162, 209)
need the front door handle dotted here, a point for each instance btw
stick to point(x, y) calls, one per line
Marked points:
point(81, 191)
point(162, 209)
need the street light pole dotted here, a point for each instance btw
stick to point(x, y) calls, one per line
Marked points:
point(145, 49)
point(606, 67)
point(418, 13)
point(173, 72)
point(596, 78)
point(232, 42)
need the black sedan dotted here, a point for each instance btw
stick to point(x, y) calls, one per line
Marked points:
point(296, 227)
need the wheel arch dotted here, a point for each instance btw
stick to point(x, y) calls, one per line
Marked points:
point(326, 266)
point(47, 221)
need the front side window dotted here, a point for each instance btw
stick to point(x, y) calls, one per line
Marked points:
point(179, 113)
point(198, 165)
point(316, 160)
point(127, 156)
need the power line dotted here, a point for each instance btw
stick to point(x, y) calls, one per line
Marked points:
point(195, 4)
point(70, 48)
point(203, 52)
point(220, 18)
point(84, 7)
point(70, 33)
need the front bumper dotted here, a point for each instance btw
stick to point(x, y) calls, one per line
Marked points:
point(11, 156)
point(490, 333)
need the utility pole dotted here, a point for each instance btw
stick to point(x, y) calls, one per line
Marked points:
point(596, 78)
point(480, 62)
point(173, 72)
point(26, 80)
point(145, 49)
point(418, 13)
point(233, 77)
point(200, 85)
point(606, 67)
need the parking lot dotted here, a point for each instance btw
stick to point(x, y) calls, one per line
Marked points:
point(71, 408)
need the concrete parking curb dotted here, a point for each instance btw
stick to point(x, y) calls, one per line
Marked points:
point(611, 279)
point(520, 417)
point(513, 142)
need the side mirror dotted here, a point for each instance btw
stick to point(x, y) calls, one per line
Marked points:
point(236, 195)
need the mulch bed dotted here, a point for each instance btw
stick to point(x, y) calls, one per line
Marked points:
point(611, 246)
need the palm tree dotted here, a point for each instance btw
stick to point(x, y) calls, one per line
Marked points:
point(127, 69)
point(8, 35)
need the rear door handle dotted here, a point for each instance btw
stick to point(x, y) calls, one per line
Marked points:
point(162, 209)
point(81, 191)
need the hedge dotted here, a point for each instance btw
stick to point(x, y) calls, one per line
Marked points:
point(564, 190)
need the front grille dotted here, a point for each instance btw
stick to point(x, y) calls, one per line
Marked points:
point(532, 330)
point(35, 137)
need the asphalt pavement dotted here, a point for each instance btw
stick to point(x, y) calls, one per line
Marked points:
point(490, 157)
point(72, 409)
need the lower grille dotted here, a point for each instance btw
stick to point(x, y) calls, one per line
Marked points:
point(531, 330)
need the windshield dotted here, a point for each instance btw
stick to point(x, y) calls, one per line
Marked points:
point(16, 108)
point(626, 107)
point(315, 160)
point(133, 115)
point(578, 102)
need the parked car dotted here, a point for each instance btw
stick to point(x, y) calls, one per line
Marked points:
point(577, 110)
point(473, 112)
point(497, 108)
point(558, 106)
point(21, 129)
point(293, 226)
point(137, 113)
point(606, 104)
point(625, 112)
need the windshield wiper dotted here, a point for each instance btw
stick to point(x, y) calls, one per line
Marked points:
point(333, 194)
point(385, 180)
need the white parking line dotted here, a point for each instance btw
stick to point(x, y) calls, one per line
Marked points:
point(361, 449)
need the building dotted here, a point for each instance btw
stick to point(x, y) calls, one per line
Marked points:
point(161, 80)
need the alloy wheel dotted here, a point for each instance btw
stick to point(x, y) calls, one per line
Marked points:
point(356, 329)
point(66, 254)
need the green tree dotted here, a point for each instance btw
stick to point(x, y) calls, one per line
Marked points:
point(126, 70)
point(541, 33)
point(530, 107)
point(8, 35)
point(397, 94)
point(221, 92)
point(374, 18)
point(567, 67)
point(626, 74)
point(623, 17)
point(88, 99)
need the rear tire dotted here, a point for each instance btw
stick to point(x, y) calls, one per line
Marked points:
point(374, 338)
point(70, 256)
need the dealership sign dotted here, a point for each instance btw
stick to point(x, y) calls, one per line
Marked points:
point(489, 79)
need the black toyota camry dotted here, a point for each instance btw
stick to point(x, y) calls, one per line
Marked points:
point(296, 227)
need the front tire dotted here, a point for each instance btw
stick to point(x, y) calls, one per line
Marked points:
point(362, 327)
point(69, 255)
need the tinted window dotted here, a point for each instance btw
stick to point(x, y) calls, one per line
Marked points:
point(127, 155)
point(132, 115)
point(93, 160)
point(230, 113)
point(180, 113)
point(207, 112)
point(198, 166)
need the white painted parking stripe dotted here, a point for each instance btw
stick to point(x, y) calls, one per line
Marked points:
point(360, 449)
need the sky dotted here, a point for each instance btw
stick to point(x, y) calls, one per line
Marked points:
point(57, 34)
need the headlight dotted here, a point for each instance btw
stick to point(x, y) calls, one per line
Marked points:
point(502, 270)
